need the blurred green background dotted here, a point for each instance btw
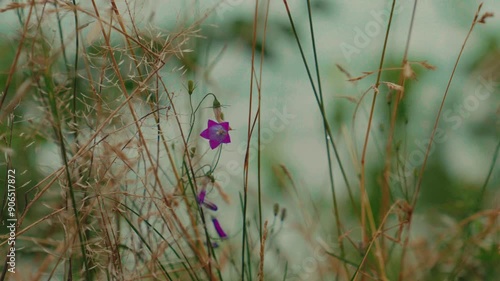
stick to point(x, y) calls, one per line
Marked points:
point(349, 34)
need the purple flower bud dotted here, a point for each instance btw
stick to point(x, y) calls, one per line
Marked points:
point(214, 244)
point(201, 196)
point(210, 205)
point(218, 228)
point(201, 200)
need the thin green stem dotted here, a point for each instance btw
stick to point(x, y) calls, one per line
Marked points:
point(330, 165)
point(75, 75)
point(323, 113)
point(259, 159)
point(245, 246)
point(192, 118)
point(249, 138)
point(216, 160)
point(60, 138)
point(203, 220)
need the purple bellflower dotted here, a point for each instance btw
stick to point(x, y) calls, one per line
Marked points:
point(216, 133)
point(207, 204)
point(218, 228)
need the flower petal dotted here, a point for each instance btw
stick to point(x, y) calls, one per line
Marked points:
point(201, 196)
point(210, 205)
point(216, 133)
point(218, 228)
point(225, 125)
point(212, 123)
point(214, 144)
point(227, 139)
point(205, 134)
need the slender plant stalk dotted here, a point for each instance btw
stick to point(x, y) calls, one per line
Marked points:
point(422, 169)
point(249, 138)
point(259, 160)
point(421, 173)
point(260, 275)
point(365, 202)
point(384, 207)
point(13, 67)
point(201, 254)
point(325, 125)
point(323, 113)
point(58, 132)
point(75, 75)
